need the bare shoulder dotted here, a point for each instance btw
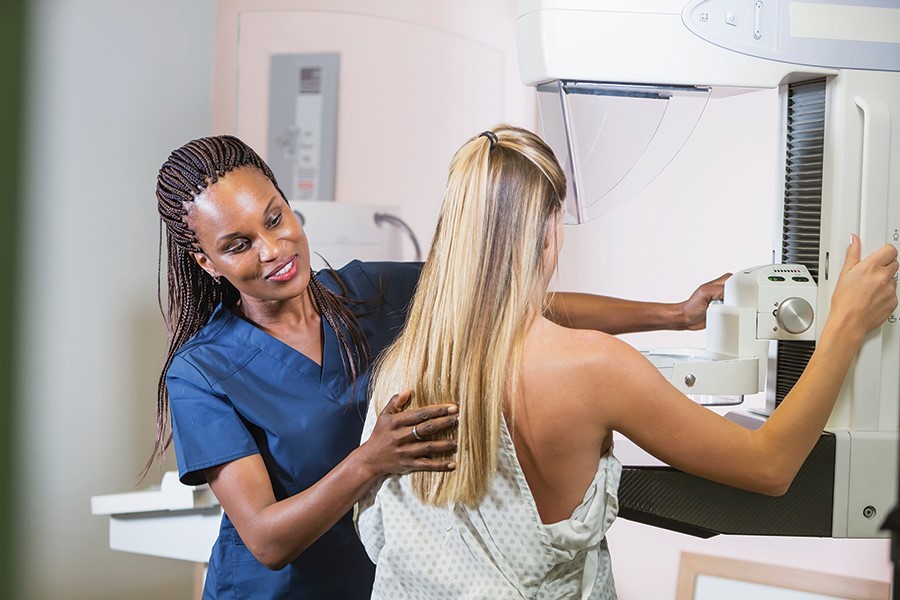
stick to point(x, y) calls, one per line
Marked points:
point(574, 380)
point(590, 358)
point(594, 347)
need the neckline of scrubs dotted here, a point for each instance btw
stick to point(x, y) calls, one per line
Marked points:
point(288, 355)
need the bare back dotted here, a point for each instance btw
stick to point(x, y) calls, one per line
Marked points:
point(555, 427)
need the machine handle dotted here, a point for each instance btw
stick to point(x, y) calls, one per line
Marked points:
point(876, 157)
point(873, 217)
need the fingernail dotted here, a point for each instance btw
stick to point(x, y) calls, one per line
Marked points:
point(451, 466)
point(453, 409)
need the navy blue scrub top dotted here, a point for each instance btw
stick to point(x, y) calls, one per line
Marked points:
point(236, 391)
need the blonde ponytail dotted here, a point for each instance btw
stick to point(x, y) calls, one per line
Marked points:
point(480, 289)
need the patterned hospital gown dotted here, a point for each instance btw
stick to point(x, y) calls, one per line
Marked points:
point(497, 550)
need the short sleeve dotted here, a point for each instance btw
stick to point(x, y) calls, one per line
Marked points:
point(206, 429)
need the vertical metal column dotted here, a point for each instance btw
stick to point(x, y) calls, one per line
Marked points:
point(802, 209)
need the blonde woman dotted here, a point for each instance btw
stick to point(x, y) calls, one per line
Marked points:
point(525, 512)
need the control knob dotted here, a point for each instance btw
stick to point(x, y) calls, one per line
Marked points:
point(794, 315)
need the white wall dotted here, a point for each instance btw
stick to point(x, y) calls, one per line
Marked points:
point(113, 87)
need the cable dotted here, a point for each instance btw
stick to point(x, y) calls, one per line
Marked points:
point(401, 224)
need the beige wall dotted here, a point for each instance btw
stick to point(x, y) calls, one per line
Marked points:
point(115, 86)
point(416, 80)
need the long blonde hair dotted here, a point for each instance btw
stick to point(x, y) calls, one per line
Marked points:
point(479, 291)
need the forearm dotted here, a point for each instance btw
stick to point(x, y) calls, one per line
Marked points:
point(612, 315)
point(276, 532)
point(866, 293)
point(765, 460)
point(790, 433)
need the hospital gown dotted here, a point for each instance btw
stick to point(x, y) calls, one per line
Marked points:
point(497, 550)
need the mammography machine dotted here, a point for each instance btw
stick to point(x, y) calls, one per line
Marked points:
point(621, 85)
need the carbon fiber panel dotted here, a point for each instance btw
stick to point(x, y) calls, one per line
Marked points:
point(667, 498)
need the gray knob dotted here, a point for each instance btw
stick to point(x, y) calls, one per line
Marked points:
point(794, 315)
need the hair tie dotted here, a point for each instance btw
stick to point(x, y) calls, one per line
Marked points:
point(491, 136)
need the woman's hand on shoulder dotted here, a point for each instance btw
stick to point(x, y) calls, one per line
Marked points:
point(866, 291)
point(402, 440)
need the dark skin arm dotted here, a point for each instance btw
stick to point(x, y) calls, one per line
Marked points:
point(615, 316)
point(276, 532)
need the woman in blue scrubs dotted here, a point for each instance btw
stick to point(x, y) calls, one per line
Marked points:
point(267, 372)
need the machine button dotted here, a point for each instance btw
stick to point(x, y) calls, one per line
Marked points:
point(795, 315)
point(731, 19)
point(802, 279)
point(776, 278)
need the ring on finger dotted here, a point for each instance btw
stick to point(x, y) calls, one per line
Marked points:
point(416, 434)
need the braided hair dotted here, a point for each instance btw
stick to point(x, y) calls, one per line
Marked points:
point(193, 294)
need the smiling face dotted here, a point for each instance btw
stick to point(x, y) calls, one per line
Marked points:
point(250, 236)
